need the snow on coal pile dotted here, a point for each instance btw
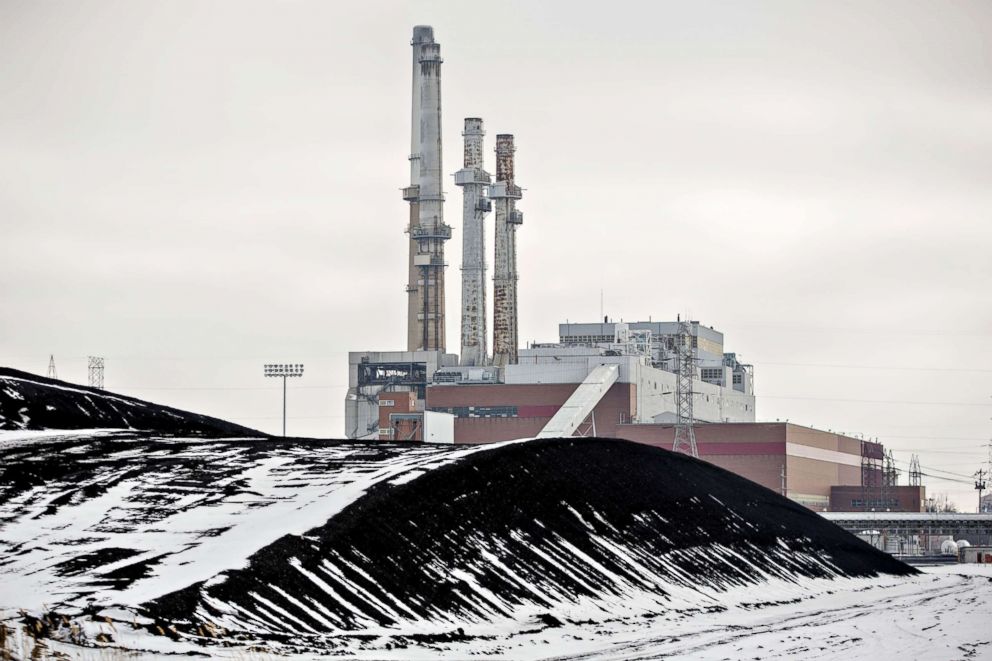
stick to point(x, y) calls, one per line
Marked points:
point(32, 402)
point(300, 547)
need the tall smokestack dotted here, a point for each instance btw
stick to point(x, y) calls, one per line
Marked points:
point(425, 310)
point(473, 179)
point(505, 194)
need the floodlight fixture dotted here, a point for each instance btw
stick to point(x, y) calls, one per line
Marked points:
point(284, 370)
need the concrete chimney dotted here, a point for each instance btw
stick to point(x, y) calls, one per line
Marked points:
point(504, 194)
point(425, 310)
point(473, 179)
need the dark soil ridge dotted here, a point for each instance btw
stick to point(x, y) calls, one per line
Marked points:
point(33, 402)
point(544, 511)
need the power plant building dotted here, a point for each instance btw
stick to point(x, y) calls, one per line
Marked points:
point(606, 378)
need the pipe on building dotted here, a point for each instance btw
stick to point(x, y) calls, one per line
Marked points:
point(473, 179)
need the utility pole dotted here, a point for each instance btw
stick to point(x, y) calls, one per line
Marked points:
point(284, 370)
point(980, 485)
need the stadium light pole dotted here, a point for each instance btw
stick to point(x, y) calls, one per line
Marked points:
point(285, 370)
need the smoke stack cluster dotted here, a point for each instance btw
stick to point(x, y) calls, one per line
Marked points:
point(428, 232)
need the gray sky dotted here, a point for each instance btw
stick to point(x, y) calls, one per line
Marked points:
point(194, 188)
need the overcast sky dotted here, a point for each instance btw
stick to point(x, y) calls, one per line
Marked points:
point(194, 188)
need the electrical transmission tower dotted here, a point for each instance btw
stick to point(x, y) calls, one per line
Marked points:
point(988, 507)
point(52, 374)
point(871, 475)
point(915, 472)
point(685, 436)
point(980, 486)
point(96, 372)
point(891, 472)
point(890, 479)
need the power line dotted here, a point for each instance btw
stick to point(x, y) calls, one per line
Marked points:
point(940, 470)
point(929, 451)
point(301, 387)
point(871, 331)
point(945, 479)
point(763, 363)
point(875, 401)
point(941, 438)
point(279, 417)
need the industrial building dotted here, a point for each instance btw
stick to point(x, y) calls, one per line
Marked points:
point(635, 362)
point(492, 403)
point(918, 533)
point(644, 381)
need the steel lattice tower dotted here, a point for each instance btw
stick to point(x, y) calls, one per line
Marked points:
point(871, 475)
point(685, 436)
point(915, 473)
point(890, 479)
point(52, 374)
point(96, 372)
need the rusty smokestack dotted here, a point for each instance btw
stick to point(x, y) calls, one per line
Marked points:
point(504, 194)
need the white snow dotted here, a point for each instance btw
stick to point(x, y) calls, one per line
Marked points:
point(13, 438)
point(657, 609)
point(944, 613)
point(109, 396)
point(197, 536)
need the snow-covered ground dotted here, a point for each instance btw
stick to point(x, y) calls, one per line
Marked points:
point(543, 550)
point(945, 613)
point(162, 522)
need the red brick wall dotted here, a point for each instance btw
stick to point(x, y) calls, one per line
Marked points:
point(496, 429)
point(403, 402)
point(536, 404)
point(909, 499)
point(752, 450)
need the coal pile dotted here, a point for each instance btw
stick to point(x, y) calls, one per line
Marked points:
point(32, 402)
point(562, 527)
point(194, 525)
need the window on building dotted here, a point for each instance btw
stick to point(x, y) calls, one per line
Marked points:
point(712, 373)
